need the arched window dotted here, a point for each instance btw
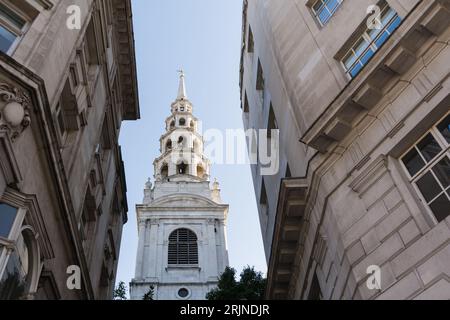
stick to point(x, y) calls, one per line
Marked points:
point(172, 125)
point(183, 248)
point(182, 122)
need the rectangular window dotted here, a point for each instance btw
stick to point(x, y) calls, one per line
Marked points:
point(324, 9)
point(11, 27)
point(370, 41)
point(428, 165)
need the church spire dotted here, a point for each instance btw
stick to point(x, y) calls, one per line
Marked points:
point(182, 87)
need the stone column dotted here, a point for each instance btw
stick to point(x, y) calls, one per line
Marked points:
point(140, 252)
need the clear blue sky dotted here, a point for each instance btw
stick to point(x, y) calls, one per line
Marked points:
point(203, 37)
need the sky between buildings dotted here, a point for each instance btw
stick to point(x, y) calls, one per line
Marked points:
point(203, 37)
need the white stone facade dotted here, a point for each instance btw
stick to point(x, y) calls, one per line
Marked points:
point(180, 199)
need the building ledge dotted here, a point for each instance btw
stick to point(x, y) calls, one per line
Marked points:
point(127, 59)
point(288, 225)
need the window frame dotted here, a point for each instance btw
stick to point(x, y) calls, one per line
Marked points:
point(428, 167)
point(19, 33)
point(324, 6)
point(371, 43)
point(8, 245)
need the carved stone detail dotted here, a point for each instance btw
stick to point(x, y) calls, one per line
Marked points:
point(15, 105)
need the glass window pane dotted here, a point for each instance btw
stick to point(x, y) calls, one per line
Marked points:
point(413, 162)
point(13, 283)
point(382, 39)
point(355, 70)
point(332, 5)
point(442, 171)
point(386, 16)
point(360, 46)
point(394, 25)
point(6, 39)
point(324, 15)
point(444, 128)
point(349, 60)
point(429, 187)
point(7, 217)
point(429, 147)
point(366, 57)
point(441, 208)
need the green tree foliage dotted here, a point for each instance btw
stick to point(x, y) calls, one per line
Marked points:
point(120, 292)
point(150, 294)
point(251, 286)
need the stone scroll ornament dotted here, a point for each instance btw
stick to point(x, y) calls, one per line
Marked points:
point(15, 107)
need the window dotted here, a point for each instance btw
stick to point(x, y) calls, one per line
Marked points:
point(12, 26)
point(263, 200)
point(183, 248)
point(251, 43)
point(18, 250)
point(370, 41)
point(246, 105)
point(324, 10)
point(183, 293)
point(7, 217)
point(260, 77)
point(182, 122)
point(428, 165)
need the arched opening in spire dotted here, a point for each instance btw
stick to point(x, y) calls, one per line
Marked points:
point(182, 122)
point(172, 124)
point(169, 145)
point(164, 171)
point(181, 141)
point(200, 171)
point(182, 168)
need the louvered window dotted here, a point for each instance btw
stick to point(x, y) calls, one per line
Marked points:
point(183, 249)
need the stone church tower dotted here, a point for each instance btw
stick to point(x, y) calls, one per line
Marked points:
point(182, 237)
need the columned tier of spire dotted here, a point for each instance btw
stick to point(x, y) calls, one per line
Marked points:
point(182, 157)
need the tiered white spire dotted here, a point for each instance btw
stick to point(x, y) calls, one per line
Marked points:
point(182, 157)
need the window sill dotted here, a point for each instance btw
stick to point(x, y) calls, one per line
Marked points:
point(183, 267)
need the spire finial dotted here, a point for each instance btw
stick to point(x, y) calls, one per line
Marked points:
point(182, 87)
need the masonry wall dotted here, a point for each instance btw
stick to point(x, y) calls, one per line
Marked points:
point(361, 208)
point(81, 169)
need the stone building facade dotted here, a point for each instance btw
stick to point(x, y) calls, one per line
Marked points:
point(65, 88)
point(360, 92)
point(182, 247)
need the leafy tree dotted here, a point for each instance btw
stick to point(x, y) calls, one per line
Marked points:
point(251, 286)
point(120, 292)
point(150, 294)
